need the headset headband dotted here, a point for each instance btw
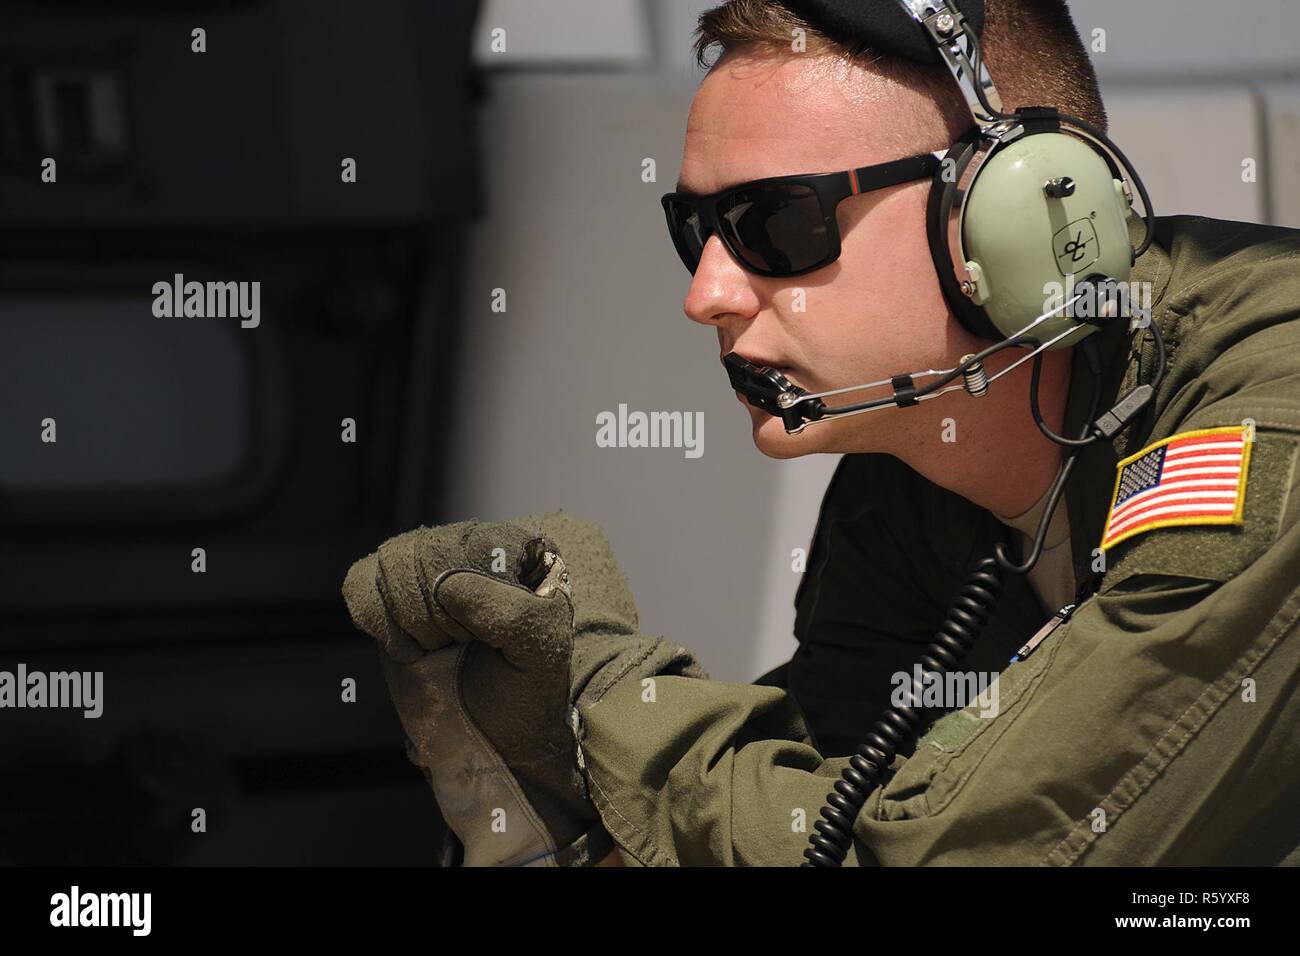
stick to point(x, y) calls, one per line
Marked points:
point(957, 42)
point(882, 26)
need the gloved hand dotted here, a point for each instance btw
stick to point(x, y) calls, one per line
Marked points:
point(491, 636)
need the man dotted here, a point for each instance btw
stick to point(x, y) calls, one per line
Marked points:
point(1157, 723)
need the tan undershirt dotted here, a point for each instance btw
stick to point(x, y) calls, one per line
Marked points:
point(1052, 578)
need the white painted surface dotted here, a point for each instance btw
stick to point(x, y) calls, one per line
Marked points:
point(560, 32)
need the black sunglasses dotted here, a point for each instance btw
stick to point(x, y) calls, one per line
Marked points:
point(783, 226)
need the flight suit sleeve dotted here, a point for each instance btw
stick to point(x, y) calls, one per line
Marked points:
point(1159, 725)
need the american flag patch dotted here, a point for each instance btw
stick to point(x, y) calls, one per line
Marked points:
point(1194, 478)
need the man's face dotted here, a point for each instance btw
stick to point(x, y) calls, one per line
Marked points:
point(875, 312)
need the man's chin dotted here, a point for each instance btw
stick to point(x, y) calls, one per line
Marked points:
point(771, 438)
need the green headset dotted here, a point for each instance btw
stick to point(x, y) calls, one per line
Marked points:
point(1025, 205)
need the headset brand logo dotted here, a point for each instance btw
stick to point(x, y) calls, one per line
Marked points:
point(1076, 246)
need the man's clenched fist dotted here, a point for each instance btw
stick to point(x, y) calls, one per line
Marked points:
point(493, 637)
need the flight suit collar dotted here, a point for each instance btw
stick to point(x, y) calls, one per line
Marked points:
point(1088, 491)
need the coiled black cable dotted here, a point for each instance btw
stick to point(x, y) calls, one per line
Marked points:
point(833, 836)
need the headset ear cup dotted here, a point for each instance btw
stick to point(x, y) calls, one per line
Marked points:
point(1043, 213)
point(943, 194)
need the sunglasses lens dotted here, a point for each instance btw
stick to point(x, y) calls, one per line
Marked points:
point(687, 231)
point(776, 230)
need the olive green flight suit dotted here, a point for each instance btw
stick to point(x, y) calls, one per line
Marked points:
point(1159, 725)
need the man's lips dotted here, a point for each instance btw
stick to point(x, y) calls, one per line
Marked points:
point(786, 371)
point(774, 364)
point(753, 359)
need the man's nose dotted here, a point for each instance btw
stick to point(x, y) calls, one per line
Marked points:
point(719, 288)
